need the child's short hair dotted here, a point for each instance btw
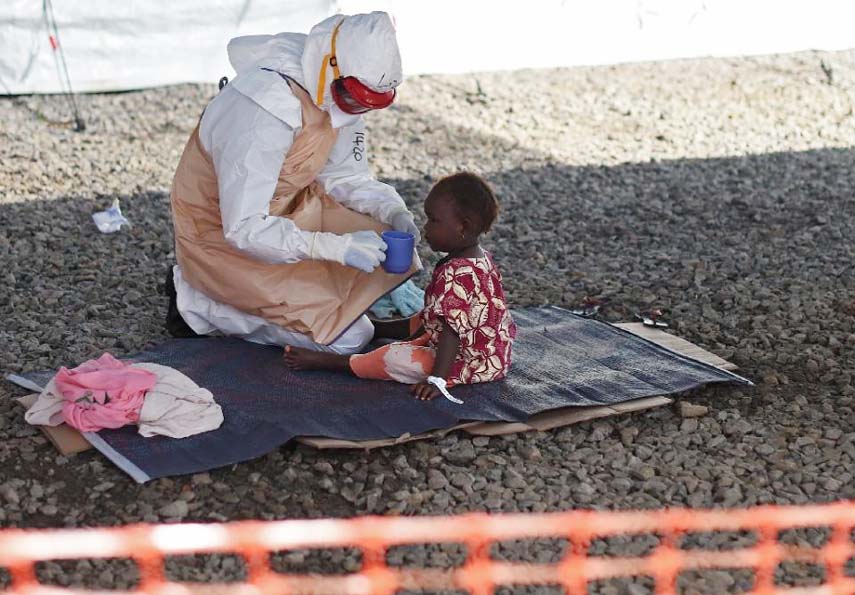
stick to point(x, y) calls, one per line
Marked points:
point(472, 195)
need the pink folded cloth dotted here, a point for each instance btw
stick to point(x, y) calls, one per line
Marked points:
point(102, 393)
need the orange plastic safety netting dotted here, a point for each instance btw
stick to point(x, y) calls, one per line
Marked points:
point(480, 574)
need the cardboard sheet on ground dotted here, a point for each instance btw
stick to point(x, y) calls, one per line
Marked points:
point(566, 369)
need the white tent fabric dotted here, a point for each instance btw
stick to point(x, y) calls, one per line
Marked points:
point(132, 44)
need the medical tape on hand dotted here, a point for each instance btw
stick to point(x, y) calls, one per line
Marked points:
point(440, 384)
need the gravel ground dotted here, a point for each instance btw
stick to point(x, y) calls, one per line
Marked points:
point(719, 189)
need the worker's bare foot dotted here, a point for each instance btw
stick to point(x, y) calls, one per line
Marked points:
point(298, 358)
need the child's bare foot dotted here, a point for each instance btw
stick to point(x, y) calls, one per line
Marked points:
point(298, 358)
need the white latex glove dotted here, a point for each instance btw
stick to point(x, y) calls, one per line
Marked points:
point(363, 250)
point(403, 221)
point(366, 251)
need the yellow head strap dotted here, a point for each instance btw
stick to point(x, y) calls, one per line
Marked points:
point(330, 60)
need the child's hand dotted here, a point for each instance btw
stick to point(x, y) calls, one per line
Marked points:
point(425, 392)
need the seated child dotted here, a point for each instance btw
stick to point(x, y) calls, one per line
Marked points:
point(466, 330)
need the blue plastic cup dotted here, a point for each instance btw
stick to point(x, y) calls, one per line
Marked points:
point(399, 251)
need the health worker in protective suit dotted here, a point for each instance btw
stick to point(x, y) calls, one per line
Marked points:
point(277, 217)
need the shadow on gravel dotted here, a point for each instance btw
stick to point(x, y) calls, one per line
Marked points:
point(749, 256)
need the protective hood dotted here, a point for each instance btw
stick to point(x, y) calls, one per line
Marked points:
point(366, 48)
point(281, 52)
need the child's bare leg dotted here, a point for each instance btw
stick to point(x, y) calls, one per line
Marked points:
point(298, 358)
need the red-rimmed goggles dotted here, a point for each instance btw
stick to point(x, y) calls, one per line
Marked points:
point(353, 97)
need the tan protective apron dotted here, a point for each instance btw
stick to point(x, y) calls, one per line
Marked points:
point(317, 298)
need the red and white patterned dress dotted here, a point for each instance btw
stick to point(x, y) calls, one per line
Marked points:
point(467, 294)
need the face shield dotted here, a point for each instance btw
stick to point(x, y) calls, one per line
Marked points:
point(349, 93)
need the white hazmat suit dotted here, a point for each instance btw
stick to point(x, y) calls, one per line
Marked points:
point(248, 129)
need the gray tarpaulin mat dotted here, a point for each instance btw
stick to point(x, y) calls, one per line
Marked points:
point(559, 360)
